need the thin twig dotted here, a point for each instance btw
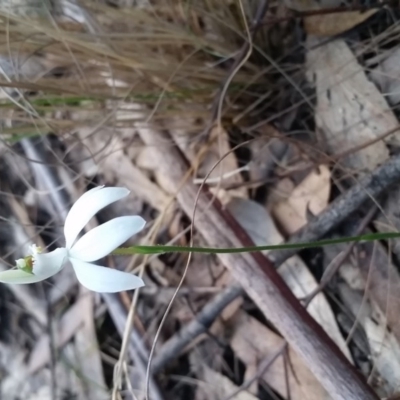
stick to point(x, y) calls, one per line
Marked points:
point(338, 261)
point(261, 370)
point(204, 319)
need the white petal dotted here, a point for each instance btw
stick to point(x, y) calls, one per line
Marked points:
point(48, 264)
point(16, 276)
point(105, 238)
point(86, 207)
point(104, 280)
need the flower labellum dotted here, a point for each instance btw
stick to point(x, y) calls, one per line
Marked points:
point(81, 253)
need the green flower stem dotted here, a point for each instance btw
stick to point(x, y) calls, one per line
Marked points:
point(161, 249)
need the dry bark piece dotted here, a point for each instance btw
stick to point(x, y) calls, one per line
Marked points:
point(350, 110)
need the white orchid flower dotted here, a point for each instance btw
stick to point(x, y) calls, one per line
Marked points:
point(92, 246)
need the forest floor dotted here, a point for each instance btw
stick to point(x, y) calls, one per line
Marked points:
point(233, 124)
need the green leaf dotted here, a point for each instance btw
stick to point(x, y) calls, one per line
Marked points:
point(160, 249)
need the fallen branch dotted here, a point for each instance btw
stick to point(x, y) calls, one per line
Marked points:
point(260, 280)
point(320, 227)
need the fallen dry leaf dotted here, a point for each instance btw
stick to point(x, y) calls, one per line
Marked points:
point(387, 76)
point(384, 347)
point(306, 5)
point(331, 23)
point(335, 23)
point(253, 342)
point(205, 271)
point(204, 156)
point(280, 192)
point(350, 110)
point(266, 153)
point(311, 195)
point(217, 386)
point(261, 228)
point(373, 265)
point(109, 155)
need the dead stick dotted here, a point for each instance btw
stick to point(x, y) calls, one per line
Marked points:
point(204, 319)
point(261, 281)
point(337, 262)
point(320, 227)
point(261, 370)
point(368, 187)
